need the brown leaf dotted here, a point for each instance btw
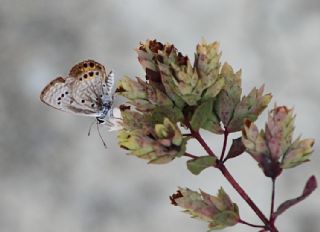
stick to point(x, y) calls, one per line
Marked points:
point(311, 185)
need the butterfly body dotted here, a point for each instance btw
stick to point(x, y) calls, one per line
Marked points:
point(85, 91)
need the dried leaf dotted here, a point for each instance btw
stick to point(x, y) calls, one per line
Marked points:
point(236, 149)
point(156, 142)
point(219, 211)
point(229, 96)
point(311, 185)
point(249, 108)
point(273, 148)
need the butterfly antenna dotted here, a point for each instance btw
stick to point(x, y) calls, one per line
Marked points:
point(89, 132)
point(104, 143)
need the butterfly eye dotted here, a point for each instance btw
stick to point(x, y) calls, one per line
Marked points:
point(100, 121)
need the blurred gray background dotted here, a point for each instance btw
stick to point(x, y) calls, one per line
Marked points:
point(53, 177)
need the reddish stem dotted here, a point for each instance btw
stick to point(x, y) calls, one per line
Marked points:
point(190, 155)
point(225, 141)
point(269, 226)
point(242, 193)
point(198, 137)
point(250, 224)
point(272, 218)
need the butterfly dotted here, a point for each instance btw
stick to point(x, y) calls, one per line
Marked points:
point(87, 91)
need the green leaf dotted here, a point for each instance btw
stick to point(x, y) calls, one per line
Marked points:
point(142, 95)
point(232, 82)
point(201, 115)
point(223, 220)
point(171, 112)
point(298, 153)
point(159, 143)
point(214, 89)
point(196, 166)
point(204, 117)
point(229, 96)
point(250, 107)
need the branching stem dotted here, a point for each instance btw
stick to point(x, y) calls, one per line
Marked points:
point(190, 155)
point(225, 141)
point(268, 225)
point(205, 146)
point(250, 224)
point(242, 193)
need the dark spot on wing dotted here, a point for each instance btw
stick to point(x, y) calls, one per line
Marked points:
point(90, 74)
point(91, 64)
point(85, 76)
point(85, 65)
point(83, 101)
point(97, 73)
point(124, 107)
point(120, 90)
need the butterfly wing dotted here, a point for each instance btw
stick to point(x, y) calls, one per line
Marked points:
point(90, 88)
point(84, 91)
point(109, 81)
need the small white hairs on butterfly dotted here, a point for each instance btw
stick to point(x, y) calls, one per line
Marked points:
point(110, 82)
point(87, 91)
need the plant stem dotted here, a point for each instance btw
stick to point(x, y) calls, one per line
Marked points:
point(272, 219)
point(225, 141)
point(198, 137)
point(190, 155)
point(241, 192)
point(269, 226)
point(250, 224)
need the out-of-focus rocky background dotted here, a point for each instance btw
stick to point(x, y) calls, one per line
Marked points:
point(54, 178)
